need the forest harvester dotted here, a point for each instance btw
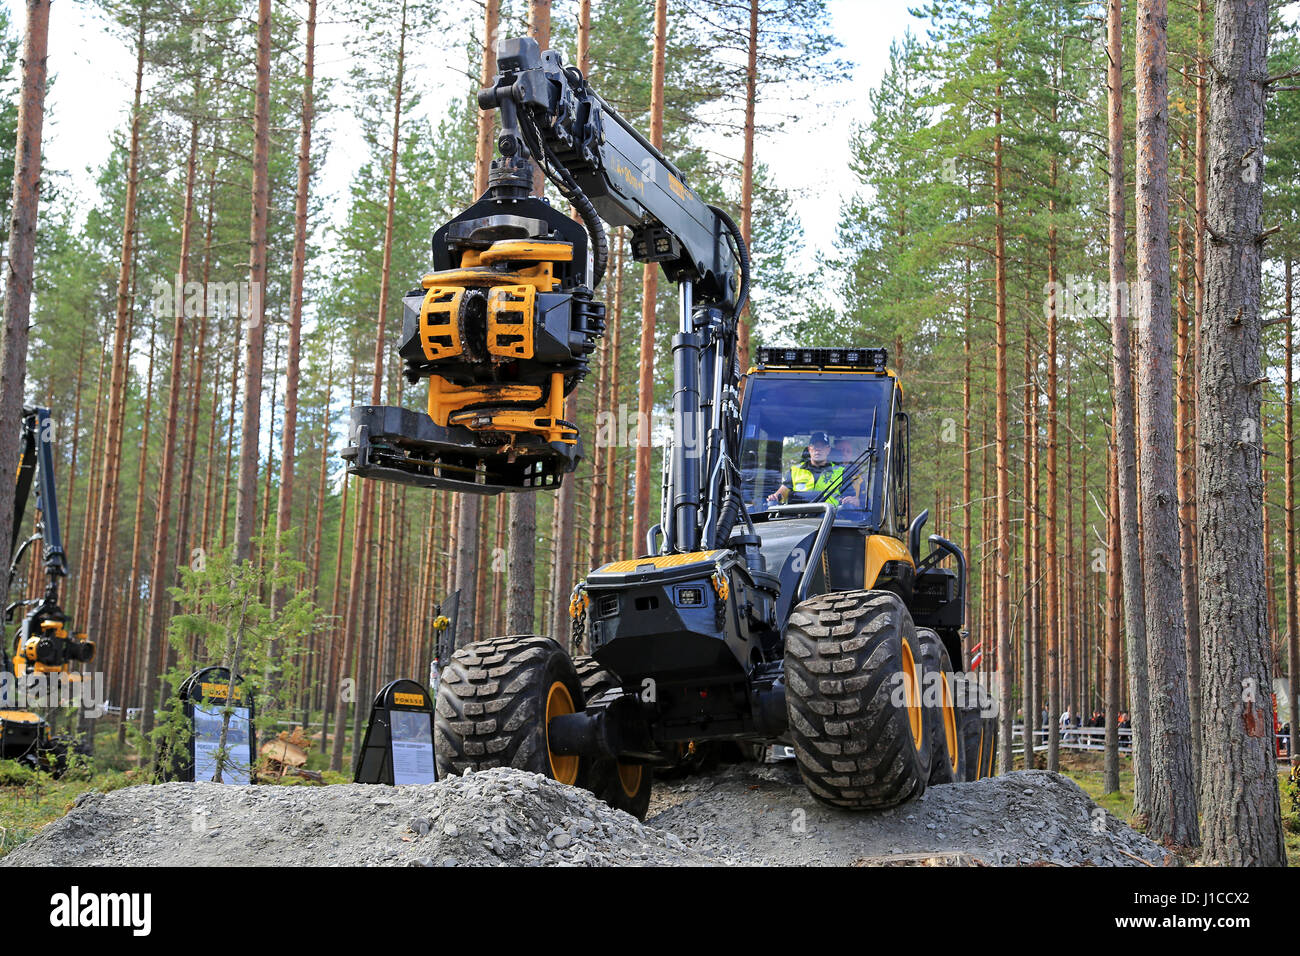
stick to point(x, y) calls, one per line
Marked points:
point(44, 650)
point(766, 608)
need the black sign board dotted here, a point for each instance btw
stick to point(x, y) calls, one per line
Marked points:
point(205, 694)
point(398, 746)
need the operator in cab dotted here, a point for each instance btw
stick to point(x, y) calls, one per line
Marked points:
point(812, 475)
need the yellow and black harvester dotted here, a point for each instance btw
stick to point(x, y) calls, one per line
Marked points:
point(44, 649)
point(765, 608)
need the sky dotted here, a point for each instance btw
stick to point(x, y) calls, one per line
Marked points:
point(91, 96)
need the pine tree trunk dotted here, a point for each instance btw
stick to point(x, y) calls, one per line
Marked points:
point(105, 526)
point(1292, 626)
point(1172, 810)
point(467, 522)
point(284, 508)
point(1186, 466)
point(354, 617)
point(334, 689)
point(255, 319)
point(82, 571)
point(195, 386)
point(1239, 794)
point(1126, 449)
point(1030, 538)
point(539, 28)
point(322, 479)
point(613, 533)
point(523, 507)
point(21, 254)
point(161, 569)
point(650, 291)
point(566, 533)
point(967, 478)
point(230, 435)
point(747, 170)
point(131, 635)
point(1052, 583)
point(1002, 439)
point(1114, 601)
point(483, 147)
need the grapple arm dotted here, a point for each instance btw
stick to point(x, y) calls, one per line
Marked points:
point(504, 326)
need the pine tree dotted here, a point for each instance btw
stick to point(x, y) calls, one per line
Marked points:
point(1239, 798)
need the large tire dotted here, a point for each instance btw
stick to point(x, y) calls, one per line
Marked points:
point(847, 655)
point(494, 700)
point(979, 733)
point(938, 689)
point(624, 786)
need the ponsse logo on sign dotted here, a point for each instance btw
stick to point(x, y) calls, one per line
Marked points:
point(408, 700)
point(221, 691)
point(77, 909)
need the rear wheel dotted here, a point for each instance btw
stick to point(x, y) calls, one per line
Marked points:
point(978, 726)
point(495, 700)
point(948, 753)
point(624, 786)
point(853, 696)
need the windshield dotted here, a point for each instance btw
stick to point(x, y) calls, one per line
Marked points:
point(810, 438)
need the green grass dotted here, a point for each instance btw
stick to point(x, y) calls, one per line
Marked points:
point(29, 799)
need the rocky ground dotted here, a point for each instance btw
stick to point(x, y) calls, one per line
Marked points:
point(747, 814)
point(763, 815)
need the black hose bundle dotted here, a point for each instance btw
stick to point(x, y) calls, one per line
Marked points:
point(570, 190)
point(742, 256)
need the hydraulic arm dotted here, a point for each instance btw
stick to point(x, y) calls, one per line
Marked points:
point(42, 643)
point(504, 326)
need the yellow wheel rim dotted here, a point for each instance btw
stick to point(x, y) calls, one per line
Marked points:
point(949, 724)
point(912, 697)
point(559, 702)
point(629, 777)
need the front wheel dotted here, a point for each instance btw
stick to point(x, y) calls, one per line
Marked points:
point(853, 697)
point(495, 701)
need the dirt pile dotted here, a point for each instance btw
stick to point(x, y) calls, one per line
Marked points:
point(748, 814)
point(493, 817)
point(762, 814)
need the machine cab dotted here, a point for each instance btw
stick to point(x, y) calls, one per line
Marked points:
point(847, 394)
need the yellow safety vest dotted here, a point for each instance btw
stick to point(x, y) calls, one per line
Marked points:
point(812, 485)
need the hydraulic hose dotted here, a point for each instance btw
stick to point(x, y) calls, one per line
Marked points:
point(742, 254)
point(570, 190)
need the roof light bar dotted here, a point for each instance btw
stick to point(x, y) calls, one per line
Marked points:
point(873, 360)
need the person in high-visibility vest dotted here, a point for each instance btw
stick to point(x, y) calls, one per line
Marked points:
point(812, 475)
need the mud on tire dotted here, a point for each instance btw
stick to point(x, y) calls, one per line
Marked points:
point(846, 655)
point(493, 700)
point(624, 787)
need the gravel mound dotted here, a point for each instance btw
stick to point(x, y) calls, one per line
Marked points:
point(763, 814)
point(750, 814)
point(494, 817)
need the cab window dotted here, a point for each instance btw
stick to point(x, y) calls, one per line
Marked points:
point(782, 411)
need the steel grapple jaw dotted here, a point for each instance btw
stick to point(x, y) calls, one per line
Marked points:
point(501, 330)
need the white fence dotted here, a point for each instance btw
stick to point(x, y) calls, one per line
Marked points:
point(1073, 738)
point(1094, 738)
